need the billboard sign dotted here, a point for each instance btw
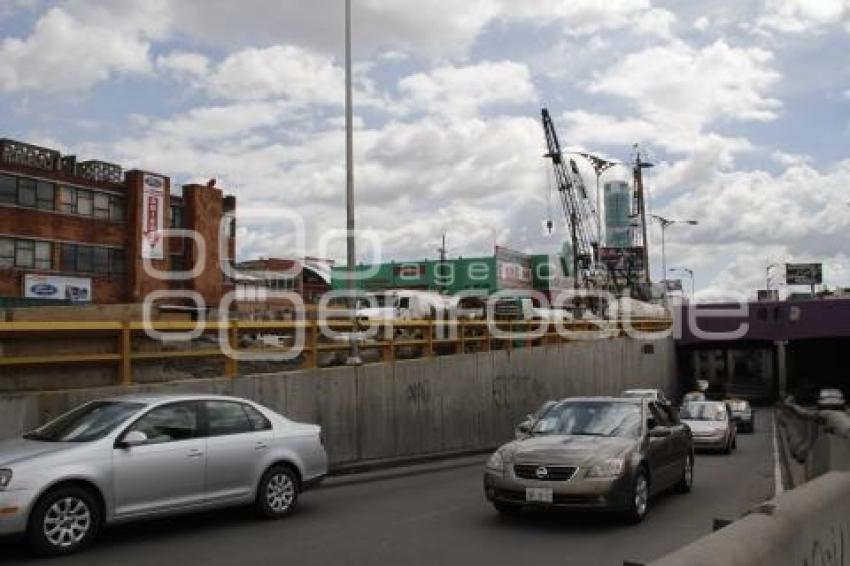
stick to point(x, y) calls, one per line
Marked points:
point(77, 289)
point(153, 217)
point(673, 285)
point(513, 269)
point(803, 273)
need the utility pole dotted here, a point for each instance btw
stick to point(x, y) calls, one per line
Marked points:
point(441, 272)
point(639, 166)
point(354, 355)
point(666, 223)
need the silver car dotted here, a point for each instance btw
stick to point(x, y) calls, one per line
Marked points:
point(141, 456)
point(711, 424)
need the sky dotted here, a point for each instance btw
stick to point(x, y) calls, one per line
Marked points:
point(742, 105)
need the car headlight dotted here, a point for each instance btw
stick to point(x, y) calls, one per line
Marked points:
point(496, 463)
point(611, 468)
point(5, 478)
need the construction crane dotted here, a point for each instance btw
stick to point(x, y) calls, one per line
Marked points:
point(581, 218)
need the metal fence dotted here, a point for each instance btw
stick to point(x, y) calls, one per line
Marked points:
point(301, 342)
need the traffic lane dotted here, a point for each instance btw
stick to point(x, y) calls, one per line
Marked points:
point(439, 517)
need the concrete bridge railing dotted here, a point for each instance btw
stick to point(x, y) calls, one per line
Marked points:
point(806, 526)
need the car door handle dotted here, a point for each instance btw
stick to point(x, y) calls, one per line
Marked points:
point(261, 446)
point(195, 453)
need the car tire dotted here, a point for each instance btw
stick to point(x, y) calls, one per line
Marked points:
point(638, 497)
point(63, 521)
point(507, 509)
point(277, 494)
point(735, 442)
point(727, 449)
point(686, 482)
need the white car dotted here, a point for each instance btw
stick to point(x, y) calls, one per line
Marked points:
point(140, 456)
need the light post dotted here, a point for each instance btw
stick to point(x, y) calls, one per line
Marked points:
point(354, 355)
point(767, 275)
point(690, 273)
point(666, 223)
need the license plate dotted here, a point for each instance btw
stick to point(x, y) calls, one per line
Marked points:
point(538, 494)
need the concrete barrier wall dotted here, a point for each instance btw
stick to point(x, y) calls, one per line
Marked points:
point(412, 407)
point(807, 526)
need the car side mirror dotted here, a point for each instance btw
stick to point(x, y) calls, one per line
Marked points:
point(133, 438)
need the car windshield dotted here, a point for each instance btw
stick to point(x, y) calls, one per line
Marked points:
point(602, 418)
point(703, 412)
point(87, 423)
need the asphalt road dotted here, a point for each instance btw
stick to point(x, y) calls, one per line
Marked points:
point(437, 515)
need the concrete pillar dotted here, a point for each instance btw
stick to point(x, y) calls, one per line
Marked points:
point(781, 368)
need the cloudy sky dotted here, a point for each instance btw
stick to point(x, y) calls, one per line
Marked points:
point(744, 106)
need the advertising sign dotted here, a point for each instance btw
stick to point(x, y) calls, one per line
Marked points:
point(76, 289)
point(513, 269)
point(673, 285)
point(803, 273)
point(153, 217)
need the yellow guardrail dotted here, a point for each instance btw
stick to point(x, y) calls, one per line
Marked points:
point(431, 337)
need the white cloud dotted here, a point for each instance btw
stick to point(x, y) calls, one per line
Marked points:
point(64, 54)
point(282, 71)
point(461, 91)
point(803, 16)
point(183, 63)
point(677, 84)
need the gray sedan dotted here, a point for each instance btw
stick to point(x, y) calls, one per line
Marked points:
point(592, 453)
point(143, 456)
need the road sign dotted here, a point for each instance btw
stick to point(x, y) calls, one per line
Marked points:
point(803, 273)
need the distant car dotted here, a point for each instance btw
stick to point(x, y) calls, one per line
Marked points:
point(711, 425)
point(652, 394)
point(593, 453)
point(523, 428)
point(693, 397)
point(742, 414)
point(141, 456)
point(831, 399)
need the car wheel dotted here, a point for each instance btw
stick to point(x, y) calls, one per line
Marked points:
point(507, 509)
point(277, 494)
point(687, 480)
point(735, 442)
point(638, 498)
point(64, 521)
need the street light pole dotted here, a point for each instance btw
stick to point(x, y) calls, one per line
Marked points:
point(690, 273)
point(666, 223)
point(354, 355)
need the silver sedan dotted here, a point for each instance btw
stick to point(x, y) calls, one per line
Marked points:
point(141, 456)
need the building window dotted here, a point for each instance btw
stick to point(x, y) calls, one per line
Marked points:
point(7, 252)
point(101, 205)
point(24, 253)
point(74, 258)
point(100, 260)
point(8, 189)
point(68, 200)
point(84, 203)
point(176, 217)
point(44, 195)
point(116, 208)
point(26, 192)
point(43, 255)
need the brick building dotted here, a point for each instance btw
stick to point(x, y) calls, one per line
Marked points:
point(80, 231)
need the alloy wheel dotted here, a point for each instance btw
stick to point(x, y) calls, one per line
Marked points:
point(280, 492)
point(67, 522)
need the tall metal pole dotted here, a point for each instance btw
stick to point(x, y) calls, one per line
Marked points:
point(354, 354)
point(598, 210)
point(638, 177)
point(663, 253)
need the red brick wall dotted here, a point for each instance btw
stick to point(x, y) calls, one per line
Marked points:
point(202, 213)
point(23, 222)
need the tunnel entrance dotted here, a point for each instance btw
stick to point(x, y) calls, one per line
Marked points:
point(817, 363)
point(747, 370)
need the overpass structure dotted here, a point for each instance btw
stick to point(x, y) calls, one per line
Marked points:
point(766, 349)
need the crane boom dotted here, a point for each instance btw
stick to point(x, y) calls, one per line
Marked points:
point(582, 220)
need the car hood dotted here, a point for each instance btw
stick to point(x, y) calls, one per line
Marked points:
point(566, 449)
point(705, 427)
point(20, 450)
